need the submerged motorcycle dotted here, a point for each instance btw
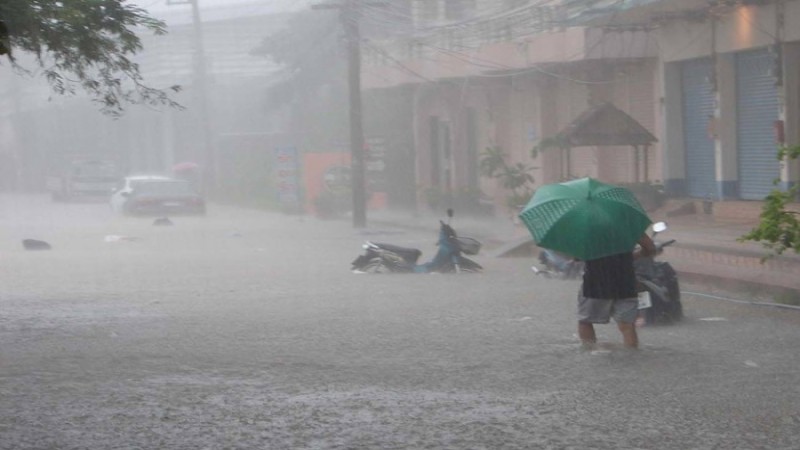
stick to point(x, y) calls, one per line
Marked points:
point(558, 265)
point(659, 289)
point(658, 286)
point(388, 258)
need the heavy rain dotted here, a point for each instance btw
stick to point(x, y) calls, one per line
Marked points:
point(355, 224)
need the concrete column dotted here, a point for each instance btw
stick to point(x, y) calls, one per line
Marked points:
point(550, 160)
point(790, 110)
point(672, 140)
point(726, 145)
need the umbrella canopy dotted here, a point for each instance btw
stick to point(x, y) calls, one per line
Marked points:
point(585, 218)
point(185, 166)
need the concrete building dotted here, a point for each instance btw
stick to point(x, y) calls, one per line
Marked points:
point(716, 83)
point(37, 126)
point(729, 93)
point(512, 74)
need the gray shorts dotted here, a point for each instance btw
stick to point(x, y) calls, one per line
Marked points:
point(600, 310)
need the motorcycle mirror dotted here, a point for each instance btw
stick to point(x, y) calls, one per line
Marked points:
point(658, 227)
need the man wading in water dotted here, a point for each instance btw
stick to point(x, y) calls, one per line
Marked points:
point(609, 290)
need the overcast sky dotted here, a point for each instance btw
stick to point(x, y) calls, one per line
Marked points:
point(157, 7)
point(181, 13)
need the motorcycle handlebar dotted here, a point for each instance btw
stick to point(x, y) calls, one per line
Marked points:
point(660, 247)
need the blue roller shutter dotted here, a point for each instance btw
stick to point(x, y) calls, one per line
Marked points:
point(757, 111)
point(698, 106)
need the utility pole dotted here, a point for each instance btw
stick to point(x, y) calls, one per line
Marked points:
point(357, 172)
point(349, 14)
point(207, 157)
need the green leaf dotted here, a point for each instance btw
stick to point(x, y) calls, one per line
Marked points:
point(86, 44)
point(778, 229)
point(516, 178)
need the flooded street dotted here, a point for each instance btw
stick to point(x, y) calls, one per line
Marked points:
point(245, 329)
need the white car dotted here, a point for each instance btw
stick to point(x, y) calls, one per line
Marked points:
point(156, 195)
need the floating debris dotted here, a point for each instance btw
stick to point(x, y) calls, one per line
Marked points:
point(35, 244)
point(163, 222)
point(522, 319)
point(119, 238)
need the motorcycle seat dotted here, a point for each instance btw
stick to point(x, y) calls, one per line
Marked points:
point(409, 254)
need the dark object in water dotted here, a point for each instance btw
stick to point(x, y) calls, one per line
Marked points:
point(34, 244)
point(163, 222)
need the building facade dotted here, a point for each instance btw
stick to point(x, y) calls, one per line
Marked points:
point(715, 82)
point(510, 75)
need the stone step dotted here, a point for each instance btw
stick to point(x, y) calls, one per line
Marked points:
point(736, 210)
point(714, 255)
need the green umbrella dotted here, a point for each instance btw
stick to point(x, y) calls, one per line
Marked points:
point(585, 218)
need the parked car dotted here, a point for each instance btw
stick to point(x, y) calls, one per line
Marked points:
point(156, 195)
point(81, 178)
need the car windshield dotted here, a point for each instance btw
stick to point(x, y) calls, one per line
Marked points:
point(162, 187)
point(94, 169)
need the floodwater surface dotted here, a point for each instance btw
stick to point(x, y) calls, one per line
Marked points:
point(245, 329)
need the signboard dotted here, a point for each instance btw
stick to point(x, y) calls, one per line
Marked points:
point(336, 179)
point(286, 176)
point(375, 162)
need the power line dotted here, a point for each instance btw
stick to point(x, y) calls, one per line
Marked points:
point(479, 26)
point(400, 63)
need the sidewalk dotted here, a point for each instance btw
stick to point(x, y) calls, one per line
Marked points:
point(706, 249)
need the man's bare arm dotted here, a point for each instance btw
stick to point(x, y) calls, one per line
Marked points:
point(646, 247)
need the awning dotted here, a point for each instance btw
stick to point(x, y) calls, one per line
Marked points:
point(605, 125)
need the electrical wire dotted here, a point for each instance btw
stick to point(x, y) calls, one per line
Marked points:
point(150, 5)
point(471, 27)
point(379, 16)
point(492, 65)
point(747, 18)
point(474, 61)
point(513, 71)
point(400, 64)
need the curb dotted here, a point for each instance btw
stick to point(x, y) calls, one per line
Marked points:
point(733, 268)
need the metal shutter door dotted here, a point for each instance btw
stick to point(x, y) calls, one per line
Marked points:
point(757, 110)
point(698, 106)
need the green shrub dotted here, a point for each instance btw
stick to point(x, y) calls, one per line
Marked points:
point(515, 178)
